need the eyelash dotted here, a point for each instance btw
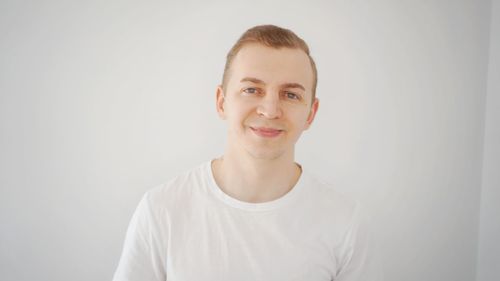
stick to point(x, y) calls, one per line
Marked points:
point(297, 97)
point(287, 93)
point(245, 90)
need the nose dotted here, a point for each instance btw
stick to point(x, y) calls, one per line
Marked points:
point(270, 107)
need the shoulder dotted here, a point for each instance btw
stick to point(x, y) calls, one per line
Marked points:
point(327, 194)
point(343, 217)
point(334, 205)
point(180, 189)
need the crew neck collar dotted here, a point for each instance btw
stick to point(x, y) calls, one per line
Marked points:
point(286, 199)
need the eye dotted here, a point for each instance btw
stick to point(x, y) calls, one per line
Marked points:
point(250, 91)
point(292, 95)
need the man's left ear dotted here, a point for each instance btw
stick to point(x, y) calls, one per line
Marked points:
point(312, 113)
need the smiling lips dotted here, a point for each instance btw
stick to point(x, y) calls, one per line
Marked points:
point(266, 132)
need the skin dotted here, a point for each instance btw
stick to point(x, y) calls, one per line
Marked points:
point(263, 92)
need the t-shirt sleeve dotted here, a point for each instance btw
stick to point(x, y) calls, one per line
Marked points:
point(143, 255)
point(358, 260)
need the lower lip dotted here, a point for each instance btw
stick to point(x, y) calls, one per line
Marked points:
point(266, 134)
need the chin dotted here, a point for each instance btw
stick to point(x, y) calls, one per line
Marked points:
point(265, 154)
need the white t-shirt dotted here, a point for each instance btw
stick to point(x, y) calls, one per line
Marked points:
point(190, 230)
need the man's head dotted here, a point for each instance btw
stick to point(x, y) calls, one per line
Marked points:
point(274, 37)
point(267, 96)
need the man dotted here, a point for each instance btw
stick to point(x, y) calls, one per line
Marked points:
point(254, 213)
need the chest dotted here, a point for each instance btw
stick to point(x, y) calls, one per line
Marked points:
point(219, 245)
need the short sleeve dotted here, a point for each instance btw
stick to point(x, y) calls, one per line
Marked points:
point(359, 262)
point(143, 255)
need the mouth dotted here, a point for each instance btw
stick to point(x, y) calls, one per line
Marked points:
point(266, 132)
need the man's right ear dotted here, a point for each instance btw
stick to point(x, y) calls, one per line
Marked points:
point(219, 103)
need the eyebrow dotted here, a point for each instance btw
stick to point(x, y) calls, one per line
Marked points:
point(285, 85)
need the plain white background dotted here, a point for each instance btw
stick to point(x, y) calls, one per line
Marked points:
point(489, 246)
point(102, 100)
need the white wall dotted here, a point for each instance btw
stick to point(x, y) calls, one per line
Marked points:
point(489, 247)
point(101, 100)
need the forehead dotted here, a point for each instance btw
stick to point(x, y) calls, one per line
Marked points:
point(283, 65)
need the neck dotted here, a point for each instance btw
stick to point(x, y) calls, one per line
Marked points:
point(255, 180)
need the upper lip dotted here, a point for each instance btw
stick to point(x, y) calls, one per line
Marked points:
point(266, 129)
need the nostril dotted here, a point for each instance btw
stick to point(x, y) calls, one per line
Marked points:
point(270, 114)
point(270, 110)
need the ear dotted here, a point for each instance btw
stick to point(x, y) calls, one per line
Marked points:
point(219, 102)
point(312, 113)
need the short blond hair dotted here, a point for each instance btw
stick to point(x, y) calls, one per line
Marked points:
point(274, 37)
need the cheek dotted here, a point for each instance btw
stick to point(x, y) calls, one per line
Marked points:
point(237, 119)
point(241, 111)
point(298, 118)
